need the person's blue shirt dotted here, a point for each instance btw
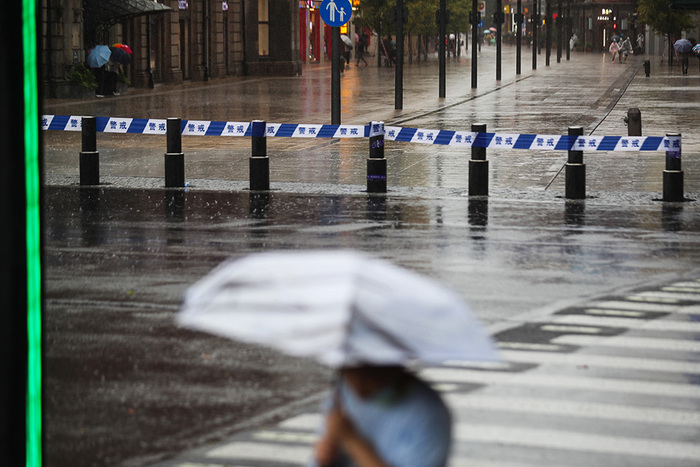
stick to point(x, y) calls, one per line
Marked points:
point(408, 426)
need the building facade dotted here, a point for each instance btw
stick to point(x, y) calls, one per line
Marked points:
point(172, 40)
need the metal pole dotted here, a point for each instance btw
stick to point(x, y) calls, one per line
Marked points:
point(535, 27)
point(518, 39)
point(539, 24)
point(575, 185)
point(335, 75)
point(89, 157)
point(559, 31)
point(498, 18)
point(568, 29)
point(548, 32)
point(475, 15)
point(398, 80)
point(442, 30)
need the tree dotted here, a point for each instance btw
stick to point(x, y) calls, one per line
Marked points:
point(664, 20)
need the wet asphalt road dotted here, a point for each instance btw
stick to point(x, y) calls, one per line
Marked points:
point(124, 385)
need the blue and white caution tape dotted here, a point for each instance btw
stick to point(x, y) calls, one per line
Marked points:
point(155, 126)
point(536, 142)
point(464, 139)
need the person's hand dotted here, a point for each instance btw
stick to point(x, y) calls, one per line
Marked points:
point(338, 427)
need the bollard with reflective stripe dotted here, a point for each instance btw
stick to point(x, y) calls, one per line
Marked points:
point(174, 158)
point(575, 185)
point(478, 167)
point(376, 163)
point(673, 175)
point(259, 161)
point(89, 156)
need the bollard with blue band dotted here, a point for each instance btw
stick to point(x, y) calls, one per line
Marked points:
point(89, 156)
point(673, 175)
point(259, 161)
point(376, 163)
point(478, 165)
point(575, 185)
point(174, 158)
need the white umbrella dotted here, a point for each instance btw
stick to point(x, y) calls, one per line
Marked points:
point(346, 39)
point(341, 307)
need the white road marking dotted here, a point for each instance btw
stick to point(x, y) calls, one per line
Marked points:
point(578, 383)
point(613, 312)
point(285, 436)
point(578, 329)
point(305, 421)
point(569, 408)
point(262, 452)
point(638, 306)
point(623, 363)
point(631, 323)
point(529, 346)
point(670, 295)
point(572, 441)
point(676, 345)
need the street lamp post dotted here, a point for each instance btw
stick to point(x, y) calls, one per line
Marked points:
point(475, 18)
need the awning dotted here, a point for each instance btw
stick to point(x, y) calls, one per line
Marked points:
point(688, 5)
point(105, 12)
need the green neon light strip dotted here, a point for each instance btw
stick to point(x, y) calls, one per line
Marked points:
point(31, 163)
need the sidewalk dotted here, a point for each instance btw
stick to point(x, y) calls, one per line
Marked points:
point(587, 91)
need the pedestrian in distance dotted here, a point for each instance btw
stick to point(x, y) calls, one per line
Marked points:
point(361, 49)
point(384, 416)
point(614, 49)
point(640, 43)
point(625, 49)
point(573, 42)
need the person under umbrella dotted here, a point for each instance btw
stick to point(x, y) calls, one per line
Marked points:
point(368, 319)
point(683, 48)
point(384, 416)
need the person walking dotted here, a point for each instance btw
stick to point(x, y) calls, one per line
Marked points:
point(361, 48)
point(625, 49)
point(614, 49)
point(384, 416)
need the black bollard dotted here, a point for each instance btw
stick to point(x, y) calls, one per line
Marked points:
point(478, 167)
point(647, 67)
point(89, 157)
point(259, 161)
point(634, 122)
point(673, 175)
point(575, 170)
point(376, 163)
point(174, 158)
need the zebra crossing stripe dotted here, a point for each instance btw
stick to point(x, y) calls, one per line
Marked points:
point(631, 323)
point(576, 383)
point(627, 342)
point(671, 295)
point(574, 441)
point(567, 408)
point(270, 452)
point(638, 306)
point(622, 363)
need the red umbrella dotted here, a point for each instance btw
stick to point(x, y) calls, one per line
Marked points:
point(124, 47)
